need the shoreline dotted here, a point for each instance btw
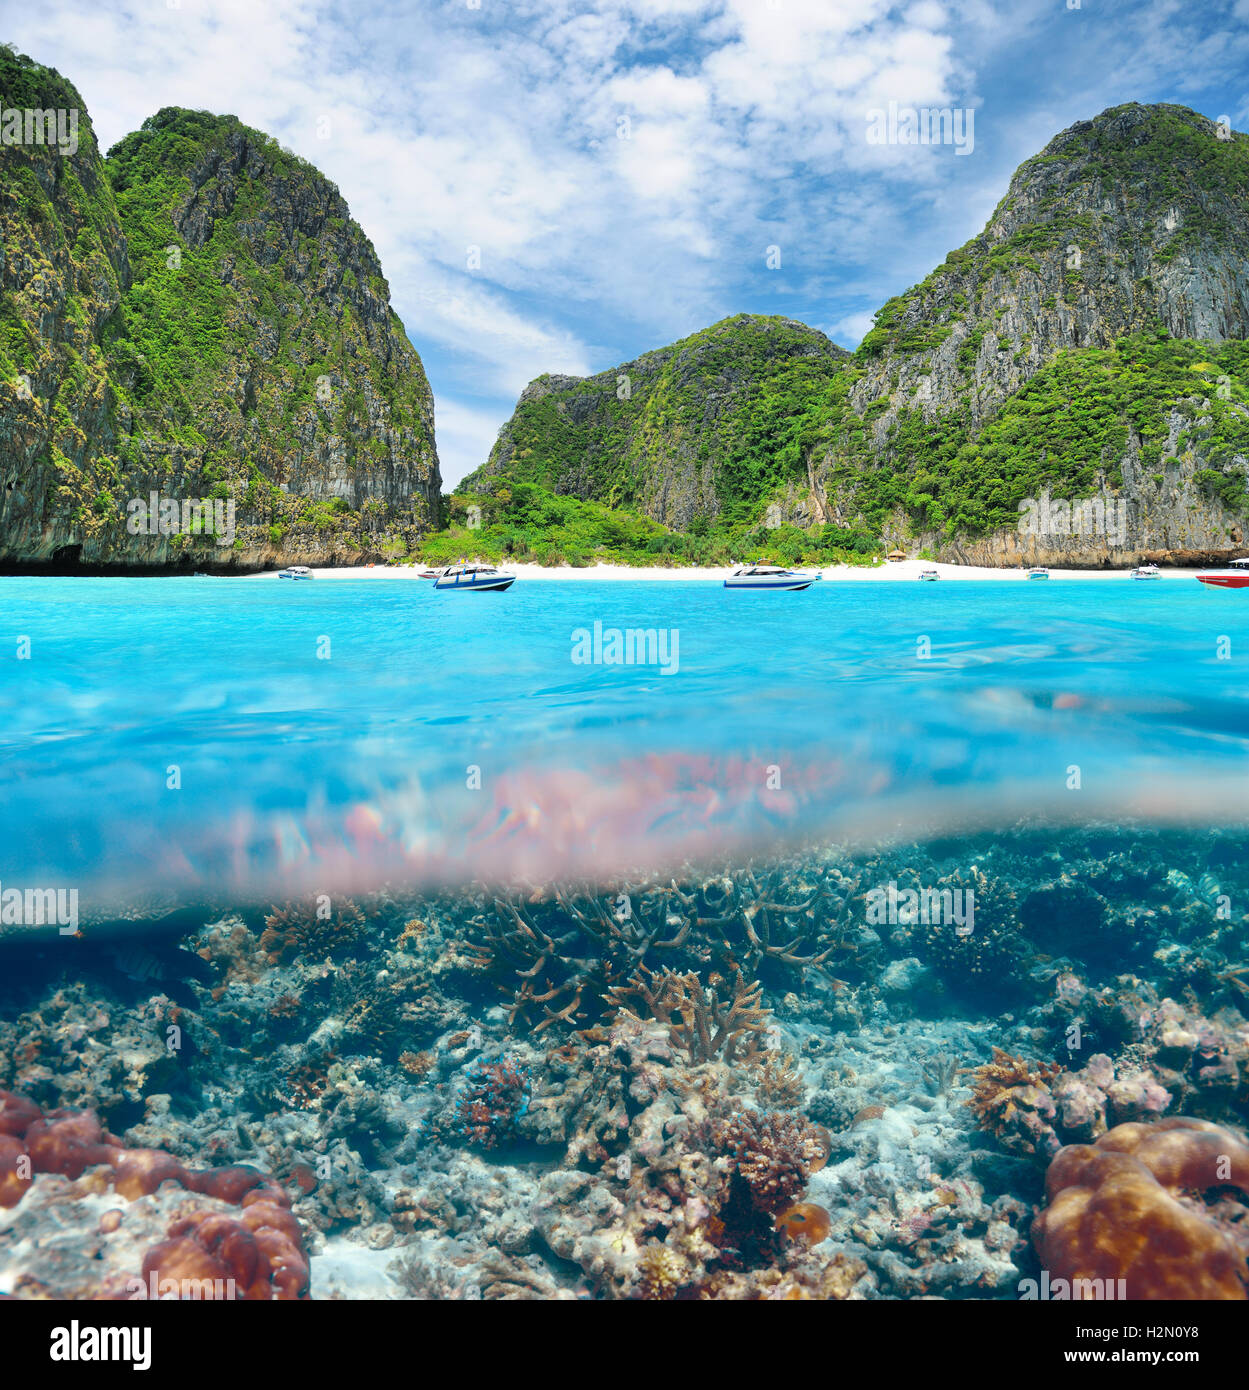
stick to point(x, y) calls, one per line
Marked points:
point(888, 573)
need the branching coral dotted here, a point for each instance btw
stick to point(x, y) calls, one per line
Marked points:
point(780, 1081)
point(1118, 1212)
point(699, 1023)
point(1011, 1099)
point(774, 1154)
point(560, 956)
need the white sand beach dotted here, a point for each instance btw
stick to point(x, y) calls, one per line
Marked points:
point(897, 571)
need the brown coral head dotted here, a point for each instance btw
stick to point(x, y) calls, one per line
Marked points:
point(1117, 1219)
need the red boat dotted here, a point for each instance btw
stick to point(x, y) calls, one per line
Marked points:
point(1235, 577)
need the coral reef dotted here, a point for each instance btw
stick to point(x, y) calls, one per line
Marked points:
point(444, 1130)
point(1011, 1099)
point(493, 1098)
point(699, 1024)
point(571, 950)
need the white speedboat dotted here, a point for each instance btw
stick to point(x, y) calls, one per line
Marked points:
point(1037, 572)
point(296, 572)
point(929, 574)
point(463, 578)
point(1145, 572)
point(761, 576)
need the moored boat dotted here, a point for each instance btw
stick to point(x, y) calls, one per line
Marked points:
point(929, 574)
point(474, 577)
point(1145, 572)
point(296, 572)
point(1037, 572)
point(763, 576)
point(1236, 576)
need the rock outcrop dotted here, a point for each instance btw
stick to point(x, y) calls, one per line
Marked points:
point(1089, 346)
point(658, 434)
point(196, 317)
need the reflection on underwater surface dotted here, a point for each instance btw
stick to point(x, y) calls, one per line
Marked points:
point(201, 737)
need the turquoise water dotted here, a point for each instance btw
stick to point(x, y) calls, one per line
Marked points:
point(447, 737)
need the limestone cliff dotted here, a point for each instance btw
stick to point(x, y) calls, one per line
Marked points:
point(196, 316)
point(664, 434)
point(1090, 343)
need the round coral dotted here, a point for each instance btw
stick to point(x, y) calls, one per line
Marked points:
point(1125, 1209)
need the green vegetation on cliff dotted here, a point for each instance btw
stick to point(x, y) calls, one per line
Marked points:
point(1064, 432)
point(1090, 339)
point(198, 314)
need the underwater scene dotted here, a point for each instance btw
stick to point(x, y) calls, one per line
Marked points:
point(623, 941)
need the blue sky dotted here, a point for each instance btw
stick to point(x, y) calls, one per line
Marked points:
point(623, 166)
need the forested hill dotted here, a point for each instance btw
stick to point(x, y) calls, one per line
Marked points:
point(197, 315)
point(1090, 342)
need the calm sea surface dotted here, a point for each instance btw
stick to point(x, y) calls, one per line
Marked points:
point(218, 736)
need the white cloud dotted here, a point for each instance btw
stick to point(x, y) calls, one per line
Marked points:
point(849, 331)
point(466, 435)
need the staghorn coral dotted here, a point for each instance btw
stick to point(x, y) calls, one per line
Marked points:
point(1122, 1222)
point(780, 1082)
point(698, 1022)
point(1011, 1099)
point(560, 955)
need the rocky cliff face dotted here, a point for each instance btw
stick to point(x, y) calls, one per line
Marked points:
point(1131, 222)
point(659, 435)
point(1089, 344)
point(196, 317)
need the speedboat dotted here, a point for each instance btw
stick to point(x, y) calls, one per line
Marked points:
point(761, 576)
point(296, 572)
point(1236, 576)
point(1037, 572)
point(431, 574)
point(929, 574)
point(1145, 572)
point(466, 577)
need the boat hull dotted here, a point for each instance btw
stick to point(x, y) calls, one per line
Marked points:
point(763, 583)
point(495, 584)
point(1224, 581)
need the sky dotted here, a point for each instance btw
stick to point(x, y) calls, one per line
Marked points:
point(561, 185)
